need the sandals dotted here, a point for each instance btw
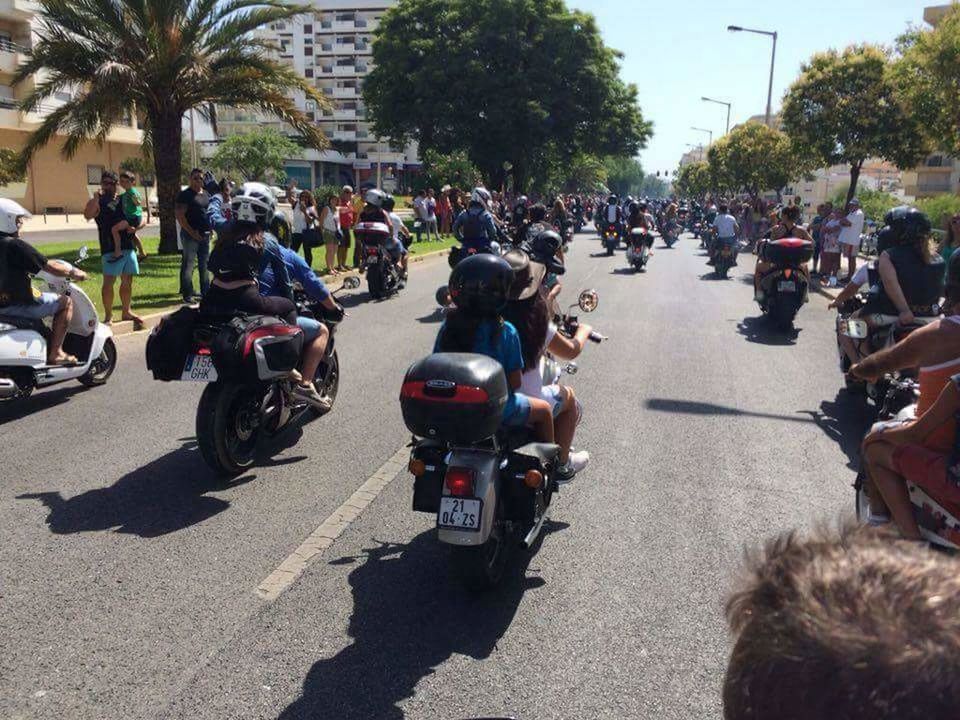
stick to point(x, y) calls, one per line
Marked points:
point(64, 359)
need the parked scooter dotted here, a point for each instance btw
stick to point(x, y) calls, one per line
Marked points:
point(638, 248)
point(490, 487)
point(784, 289)
point(23, 345)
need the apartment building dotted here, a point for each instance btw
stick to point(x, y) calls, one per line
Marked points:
point(332, 48)
point(53, 184)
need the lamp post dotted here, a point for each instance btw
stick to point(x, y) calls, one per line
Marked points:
point(721, 102)
point(709, 132)
point(773, 58)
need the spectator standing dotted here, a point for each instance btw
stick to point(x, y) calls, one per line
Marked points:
point(815, 226)
point(347, 218)
point(431, 220)
point(305, 219)
point(952, 240)
point(330, 227)
point(106, 208)
point(830, 245)
point(852, 227)
point(132, 212)
point(191, 210)
point(357, 204)
point(446, 211)
point(420, 213)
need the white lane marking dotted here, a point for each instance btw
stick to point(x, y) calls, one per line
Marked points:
point(320, 539)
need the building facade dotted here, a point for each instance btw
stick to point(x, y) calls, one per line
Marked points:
point(53, 184)
point(332, 47)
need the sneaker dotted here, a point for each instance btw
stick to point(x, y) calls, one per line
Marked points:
point(575, 463)
point(877, 519)
point(310, 394)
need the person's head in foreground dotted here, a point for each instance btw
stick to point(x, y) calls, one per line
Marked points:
point(848, 625)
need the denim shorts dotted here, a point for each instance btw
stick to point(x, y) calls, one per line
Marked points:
point(517, 410)
point(48, 305)
point(310, 327)
point(127, 263)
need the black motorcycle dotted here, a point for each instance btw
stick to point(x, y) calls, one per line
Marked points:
point(383, 276)
point(784, 288)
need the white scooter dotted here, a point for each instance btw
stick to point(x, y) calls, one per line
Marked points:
point(23, 345)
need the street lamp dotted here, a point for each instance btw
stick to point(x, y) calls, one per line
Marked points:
point(709, 132)
point(721, 102)
point(773, 57)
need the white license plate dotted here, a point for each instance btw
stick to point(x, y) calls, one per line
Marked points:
point(787, 286)
point(199, 368)
point(459, 513)
point(373, 260)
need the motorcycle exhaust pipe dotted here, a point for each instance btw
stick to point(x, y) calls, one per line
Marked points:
point(531, 537)
point(8, 388)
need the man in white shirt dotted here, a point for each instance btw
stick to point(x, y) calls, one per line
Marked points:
point(420, 213)
point(727, 229)
point(852, 227)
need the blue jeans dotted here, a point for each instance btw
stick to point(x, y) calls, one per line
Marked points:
point(194, 252)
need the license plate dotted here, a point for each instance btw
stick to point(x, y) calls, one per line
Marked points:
point(459, 513)
point(199, 368)
point(373, 260)
point(787, 286)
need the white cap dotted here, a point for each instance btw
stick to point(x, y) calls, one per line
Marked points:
point(9, 212)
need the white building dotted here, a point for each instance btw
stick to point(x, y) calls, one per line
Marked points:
point(332, 47)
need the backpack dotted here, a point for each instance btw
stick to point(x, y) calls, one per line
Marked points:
point(473, 227)
point(170, 343)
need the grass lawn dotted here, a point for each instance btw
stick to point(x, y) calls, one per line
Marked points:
point(158, 285)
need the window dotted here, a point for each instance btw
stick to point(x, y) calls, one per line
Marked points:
point(308, 50)
point(935, 161)
point(93, 174)
point(308, 29)
point(311, 105)
point(308, 72)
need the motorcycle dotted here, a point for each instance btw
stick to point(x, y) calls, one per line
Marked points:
point(23, 345)
point(937, 519)
point(784, 289)
point(383, 275)
point(248, 363)
point(489, 487)
point(724, 258)
point(671, 233)
point(638, 249)
point(611, 237)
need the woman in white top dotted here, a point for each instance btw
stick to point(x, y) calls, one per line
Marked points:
point(304, 225)
point(528, 311)
point(330, 227)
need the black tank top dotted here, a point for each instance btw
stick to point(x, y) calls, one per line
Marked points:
point(922, 283)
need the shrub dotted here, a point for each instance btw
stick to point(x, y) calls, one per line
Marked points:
point(940, 208)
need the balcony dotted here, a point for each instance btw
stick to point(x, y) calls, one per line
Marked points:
point(342, 114)
point(345, 92)
point(343, 71)
point(345, 135)
point(344, 26)
point(19, 9)
point(11, 56)
point(324, 49)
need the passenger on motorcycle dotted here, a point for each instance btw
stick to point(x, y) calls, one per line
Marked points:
point(18, 298)
point(475, 227)
point(917, 451)
point(909, 276)
point(529, 313)
point(479, 288)
point(612, 214)
point(401, 239)
point(786, 228)
point(727, 229)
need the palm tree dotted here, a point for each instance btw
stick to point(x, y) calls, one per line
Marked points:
point(159, 59)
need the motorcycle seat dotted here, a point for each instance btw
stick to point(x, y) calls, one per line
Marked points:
point(24, 323)
point(546, 453)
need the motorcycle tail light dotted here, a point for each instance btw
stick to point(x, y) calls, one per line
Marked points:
point(417, 468)
point(204, 350)
point(533, 479)
point(787, 273)
point(371, 251)
point(459, 481)
point(268, 331)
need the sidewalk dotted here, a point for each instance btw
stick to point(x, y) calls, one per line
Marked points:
point(63, 223)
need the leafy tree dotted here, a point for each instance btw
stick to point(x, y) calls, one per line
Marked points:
point(758, 158)
point(509, 81)
point(257, 155)
point(585, 173)
point(11, 168)
point(874, 203)
point(653, 186)
point(693, 180)
point(844, 109)
point(453, 169)
point(624, 175)
point(720, 176)
point(160, 59)
point(927, 77)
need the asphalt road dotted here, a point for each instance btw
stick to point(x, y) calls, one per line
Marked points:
point(127, 578)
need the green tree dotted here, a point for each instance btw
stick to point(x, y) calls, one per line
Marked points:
point(159, 59)
point(720, 177)
point(453, 169)
point(653, 186)
point(257, 155)
point(584, 173)
point(693, 180)
point(509, 81)
point(927, 77)
point(624, 175)
point(874, 203)
point(844, 109)
point(758, 158)
point(12, 168)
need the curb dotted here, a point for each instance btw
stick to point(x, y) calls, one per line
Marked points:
point(125, 327)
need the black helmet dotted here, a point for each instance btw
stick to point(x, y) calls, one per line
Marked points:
point(908, 223)
point(886, 239)
point(634, 207)
point(612, 200)
point(480, 284)
point(388, 203)
point(543, 247)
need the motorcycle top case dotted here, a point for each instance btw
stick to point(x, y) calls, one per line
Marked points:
point(170, 343)
point(454, 397)
point(256, 347)
point(787, 251)
point(373, 233)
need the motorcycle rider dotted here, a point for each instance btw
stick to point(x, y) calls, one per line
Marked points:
point(612, 214)
point(528, 311)
point(727, 229)
point(374, 211)
point(786, 228)
point(18, 298)
point(401, 238)
point(910, 275)
point(475, 227)
point(918, 450)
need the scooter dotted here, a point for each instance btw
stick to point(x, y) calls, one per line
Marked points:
point(724, 258)
point(938, 520)
point(611, 237)
point(23, 345)
point(638, 248)
point(784, 289)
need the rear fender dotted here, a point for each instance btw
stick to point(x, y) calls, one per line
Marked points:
point(486, 467)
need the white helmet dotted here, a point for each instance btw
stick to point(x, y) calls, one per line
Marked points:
point(254, 203)
point(9, 212)
point(480, 195)
point(375, 197)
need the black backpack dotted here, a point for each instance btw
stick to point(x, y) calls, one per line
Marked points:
point(170, 343)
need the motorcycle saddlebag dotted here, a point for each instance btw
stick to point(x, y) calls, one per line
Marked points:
point(454, 397)
point(170, 343)
point(256, 347)
point(428, 488)
point(788, 251)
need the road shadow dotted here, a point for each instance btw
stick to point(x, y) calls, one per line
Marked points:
point(625, 271)
point(409, 616)
point(692, 407)
point(601, 254)
point(38, 402)
point(762, 331)
point(354, 299)
point(845, 420)
point(435, 317)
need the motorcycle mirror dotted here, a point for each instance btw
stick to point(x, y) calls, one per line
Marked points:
point(588, 301)
point(571, 369)
point(351, 283)
point(855, 329)
point(83, 253)
point(442, 296)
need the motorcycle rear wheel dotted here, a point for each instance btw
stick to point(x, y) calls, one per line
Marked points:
point(375, 282)
point(228, 427)
point(327, 381)
point(481, 567)
point(783, 315)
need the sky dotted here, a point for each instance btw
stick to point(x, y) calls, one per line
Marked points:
point(677, 51)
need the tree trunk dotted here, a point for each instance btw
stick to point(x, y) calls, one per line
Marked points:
point(854, 179)
point(166, 152)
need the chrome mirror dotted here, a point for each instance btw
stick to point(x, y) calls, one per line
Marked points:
point(588, 301)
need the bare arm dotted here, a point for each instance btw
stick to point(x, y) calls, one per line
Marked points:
point(907, 353)
point(570, 348)
point(92, 208)
point(917, 432)
point(848, 292)
point(62, 269)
